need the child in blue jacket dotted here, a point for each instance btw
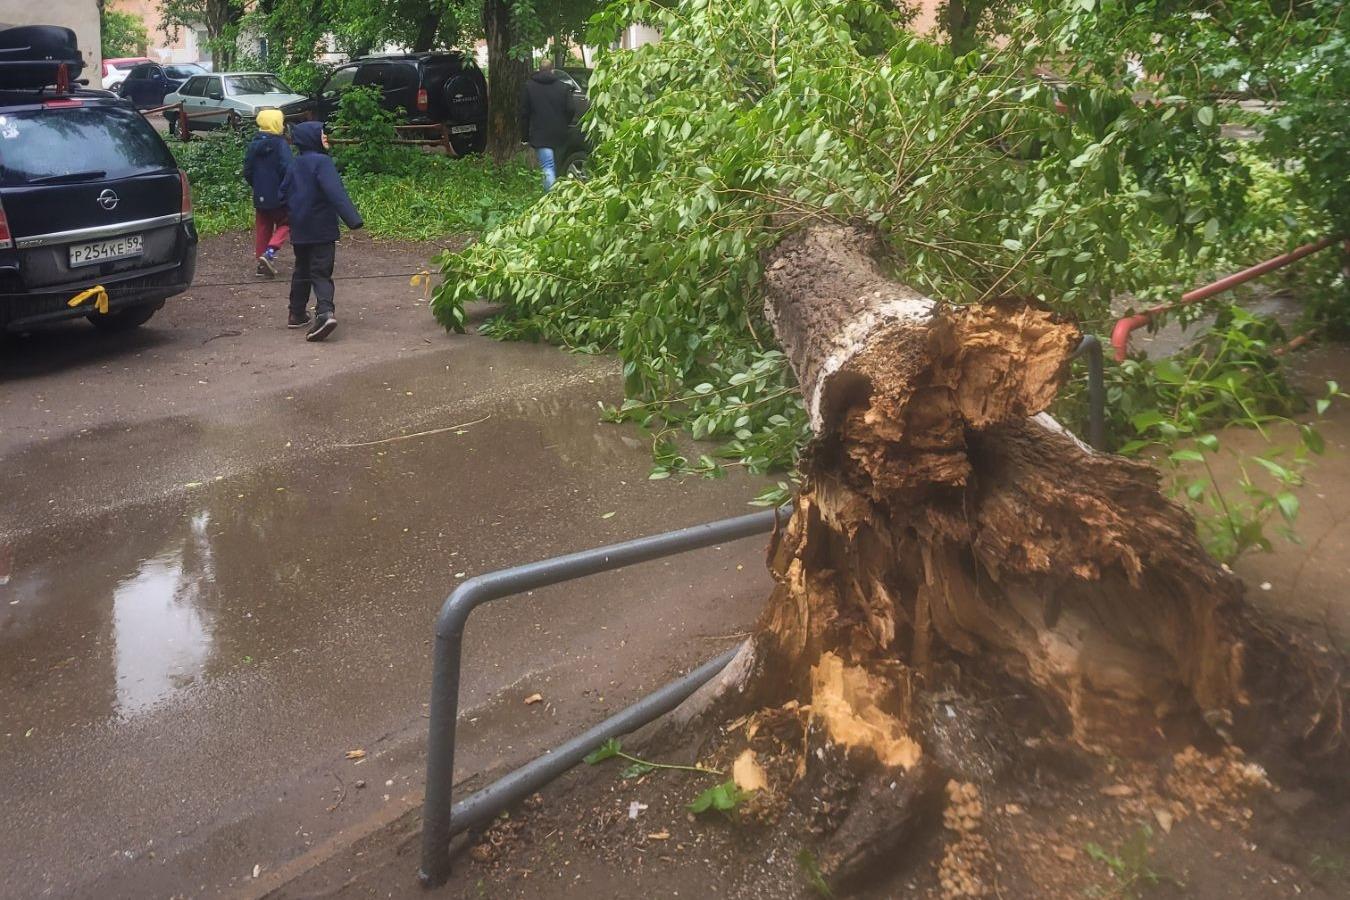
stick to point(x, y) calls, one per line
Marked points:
point(265, 164)
point(315, 199)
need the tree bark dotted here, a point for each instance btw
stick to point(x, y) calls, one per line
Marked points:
point(946, 520)
point(506, 78)
point(427, 26)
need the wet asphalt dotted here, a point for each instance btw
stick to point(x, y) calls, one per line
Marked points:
point(220, 561)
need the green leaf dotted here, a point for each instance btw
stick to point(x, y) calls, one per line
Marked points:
point(1312, 439)
point(637, 770)
point(1274, 468)
point(608, 750)
point(1288, 504)
point(723, 797)
point(811, 869)
point(1146, 420)
point(1187, 456)
point(1209, 442)
point(1205, 115)
point(1013, 244)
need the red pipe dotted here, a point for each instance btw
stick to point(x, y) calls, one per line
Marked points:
point(1120, 334)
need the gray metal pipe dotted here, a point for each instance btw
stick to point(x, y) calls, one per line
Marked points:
point(480, 807)
point(1092, 346)
point(438, 813)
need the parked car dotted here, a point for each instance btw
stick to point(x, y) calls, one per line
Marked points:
point(441, 87)
point(115, 71)
point(89, 196)
point(229, 98)
point(574, 157)
point(148, 84)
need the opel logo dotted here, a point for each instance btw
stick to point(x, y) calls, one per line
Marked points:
point(108, 200)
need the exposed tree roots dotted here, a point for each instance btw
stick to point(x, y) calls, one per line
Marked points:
point(947, 524)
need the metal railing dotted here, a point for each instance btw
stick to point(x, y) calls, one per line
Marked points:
point(442, 819)
point(1091, 347)
point(1120, 334)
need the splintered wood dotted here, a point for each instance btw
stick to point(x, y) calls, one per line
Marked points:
point(947, 525)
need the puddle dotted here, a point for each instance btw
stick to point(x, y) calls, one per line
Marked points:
point(160, 626)
point(111, 618)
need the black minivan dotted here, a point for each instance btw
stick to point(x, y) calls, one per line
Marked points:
point(430, 88)
point(90, 197)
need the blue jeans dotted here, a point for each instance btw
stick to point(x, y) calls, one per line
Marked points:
point(546, 165)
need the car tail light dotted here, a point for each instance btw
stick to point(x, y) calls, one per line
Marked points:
point(422, 100)
point(187, 194)
point(6, 239)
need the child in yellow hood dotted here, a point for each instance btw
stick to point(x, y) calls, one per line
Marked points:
point(265, 164)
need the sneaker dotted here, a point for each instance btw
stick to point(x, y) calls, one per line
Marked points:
point(323, 327)
point(300, 321)
point(266, 268)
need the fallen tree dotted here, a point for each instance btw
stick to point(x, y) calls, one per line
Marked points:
point(946, 525)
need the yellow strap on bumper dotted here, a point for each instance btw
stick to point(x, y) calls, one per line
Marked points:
point(98, 293)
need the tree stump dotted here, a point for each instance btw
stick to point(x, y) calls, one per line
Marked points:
point(946, 519)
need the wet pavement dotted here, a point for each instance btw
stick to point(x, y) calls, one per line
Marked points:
point(209, 595)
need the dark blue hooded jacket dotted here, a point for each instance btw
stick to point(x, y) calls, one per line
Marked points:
point(265, 164)
point(315, 196)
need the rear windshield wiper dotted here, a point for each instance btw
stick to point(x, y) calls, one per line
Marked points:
point(69, 176)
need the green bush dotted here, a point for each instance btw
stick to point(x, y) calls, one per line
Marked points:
point(364, 132)
point(431, 196)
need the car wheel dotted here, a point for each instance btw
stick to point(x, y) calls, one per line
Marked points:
point(124, 319)
point(575, 165)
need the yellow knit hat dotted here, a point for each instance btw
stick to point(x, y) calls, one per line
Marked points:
point(271, 121)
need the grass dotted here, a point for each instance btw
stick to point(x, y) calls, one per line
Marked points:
point(431, 195)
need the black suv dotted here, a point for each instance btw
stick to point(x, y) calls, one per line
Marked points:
point(430, 88)
point(90, 196)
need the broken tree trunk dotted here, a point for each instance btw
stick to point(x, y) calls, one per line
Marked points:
point(946, 519)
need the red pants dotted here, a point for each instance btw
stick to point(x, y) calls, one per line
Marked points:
point(269, 229)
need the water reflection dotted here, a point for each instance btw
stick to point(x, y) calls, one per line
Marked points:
point(161, 631)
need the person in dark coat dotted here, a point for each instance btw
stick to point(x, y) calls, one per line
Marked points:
point(315, 199)
point(265, 163)
point(546, 113)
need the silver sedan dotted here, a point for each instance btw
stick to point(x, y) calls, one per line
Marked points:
point(228, 98)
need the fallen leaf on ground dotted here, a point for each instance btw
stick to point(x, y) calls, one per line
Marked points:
point(356, 754)
point(1118, 790)
point(608, 515)
point(257, 869)
point(1165, 820)
point(659, 836)
point(533, 699)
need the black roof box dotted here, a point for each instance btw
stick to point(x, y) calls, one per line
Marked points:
point(31, 55)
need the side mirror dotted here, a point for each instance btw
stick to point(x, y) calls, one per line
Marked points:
point(216, 95)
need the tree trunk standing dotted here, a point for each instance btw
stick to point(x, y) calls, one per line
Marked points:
point(946, 524)
point(427, 27)
point(507, 75)
point(961, 20)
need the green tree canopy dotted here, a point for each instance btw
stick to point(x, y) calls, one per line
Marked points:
point(123, 34)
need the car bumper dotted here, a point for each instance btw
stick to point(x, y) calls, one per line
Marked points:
point(23, 310)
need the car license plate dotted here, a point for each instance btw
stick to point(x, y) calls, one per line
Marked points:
point(462, 129)
point(106, 251)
